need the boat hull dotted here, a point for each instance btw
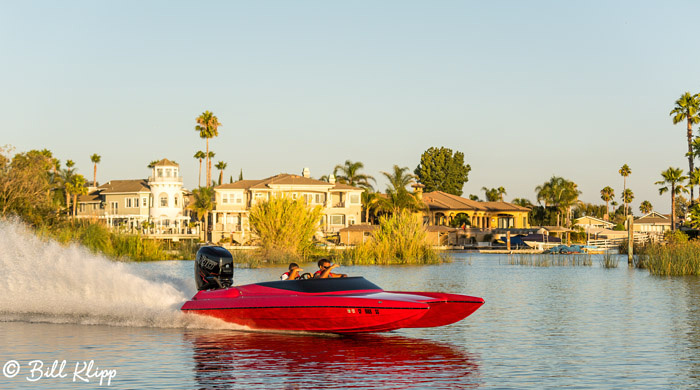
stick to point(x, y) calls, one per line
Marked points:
point(308, 306)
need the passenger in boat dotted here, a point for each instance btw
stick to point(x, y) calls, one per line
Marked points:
point(325, 268)
point(293, 273)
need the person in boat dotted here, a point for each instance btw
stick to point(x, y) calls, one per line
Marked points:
point(325, 268)
point(293, 273)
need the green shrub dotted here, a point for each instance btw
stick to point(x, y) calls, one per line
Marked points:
point(400, 239)
point(285, 228)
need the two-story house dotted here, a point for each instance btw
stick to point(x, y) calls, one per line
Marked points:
point(341, 204)
point(157, 203)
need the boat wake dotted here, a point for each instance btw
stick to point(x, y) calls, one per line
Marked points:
point(44, 281)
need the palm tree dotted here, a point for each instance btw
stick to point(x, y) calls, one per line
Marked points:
point(202, 205)
point(349, 174)
point(627, 197)
point(693, 180)
point(646, 207)
point(491, 194)
point(500, 191)
point(398, 197)
point(95, 158)
point(66, 178)
point(558, 193)
point(208, 127)
point(152, 164)
point(687, 109)
point(76, 187)
point(522, 202)
point(200, 156)
point(221, 166)
point(674, 178)
point(624, 172)
point(607, 194)
point(371, 202)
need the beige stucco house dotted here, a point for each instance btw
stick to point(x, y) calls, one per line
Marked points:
point(341, 204)
point(154, 206)
point(442, 208)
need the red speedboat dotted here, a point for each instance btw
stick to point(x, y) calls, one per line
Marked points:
point(340, 305)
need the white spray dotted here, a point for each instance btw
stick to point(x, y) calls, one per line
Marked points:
point(46, 282)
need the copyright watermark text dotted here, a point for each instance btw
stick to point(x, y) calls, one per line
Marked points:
point(38, 370)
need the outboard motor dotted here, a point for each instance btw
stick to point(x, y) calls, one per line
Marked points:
point(213, 268)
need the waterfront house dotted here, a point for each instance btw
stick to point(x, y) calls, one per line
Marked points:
point(341, 205)
point(588, 222)
point(442, 208)
point(653, 223)
point(153, 206)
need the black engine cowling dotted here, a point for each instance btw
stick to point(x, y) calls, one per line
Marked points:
point(213, 268)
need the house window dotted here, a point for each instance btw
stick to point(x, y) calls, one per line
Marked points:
point(168, 172)
point(136, 202)
point(351, 220)
point(128, 202)
point(175, 201)
point(320, 198)
point(160, 172)
point(175, 172)
point(337, 219)
point(355, 198)
point(144, 202)
point(163, 200)
point(81, 207)
point(224, 198)
point(238, 197)
point(114, 207)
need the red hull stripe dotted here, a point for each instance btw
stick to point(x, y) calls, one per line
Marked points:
point(310, 307)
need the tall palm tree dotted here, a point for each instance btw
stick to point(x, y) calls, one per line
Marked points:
point(349, 173)
point(202, 205)
point(624, 172)
point(607, 194)
point(221, 166)
point(200, 156)
point(687, 109)
point(645, 207)
point(210, 156)
point(208, 127)
point(95, 158)
point(672, 182)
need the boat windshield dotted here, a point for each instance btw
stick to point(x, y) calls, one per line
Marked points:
point(323, 285)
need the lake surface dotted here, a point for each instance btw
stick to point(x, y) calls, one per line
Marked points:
point(554, 327)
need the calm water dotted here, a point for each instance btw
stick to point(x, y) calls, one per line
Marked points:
point(583, 327)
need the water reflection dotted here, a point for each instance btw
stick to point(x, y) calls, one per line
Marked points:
point(293, 361)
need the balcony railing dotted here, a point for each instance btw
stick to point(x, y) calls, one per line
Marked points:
point(177, 179)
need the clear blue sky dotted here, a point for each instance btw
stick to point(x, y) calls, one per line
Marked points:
point(526, 90)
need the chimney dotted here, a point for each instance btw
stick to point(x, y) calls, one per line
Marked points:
point(418, 190)
point(306, 173)
point(331, 179)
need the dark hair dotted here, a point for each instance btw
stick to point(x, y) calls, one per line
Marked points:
point(293, 265)
point(323, 260)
